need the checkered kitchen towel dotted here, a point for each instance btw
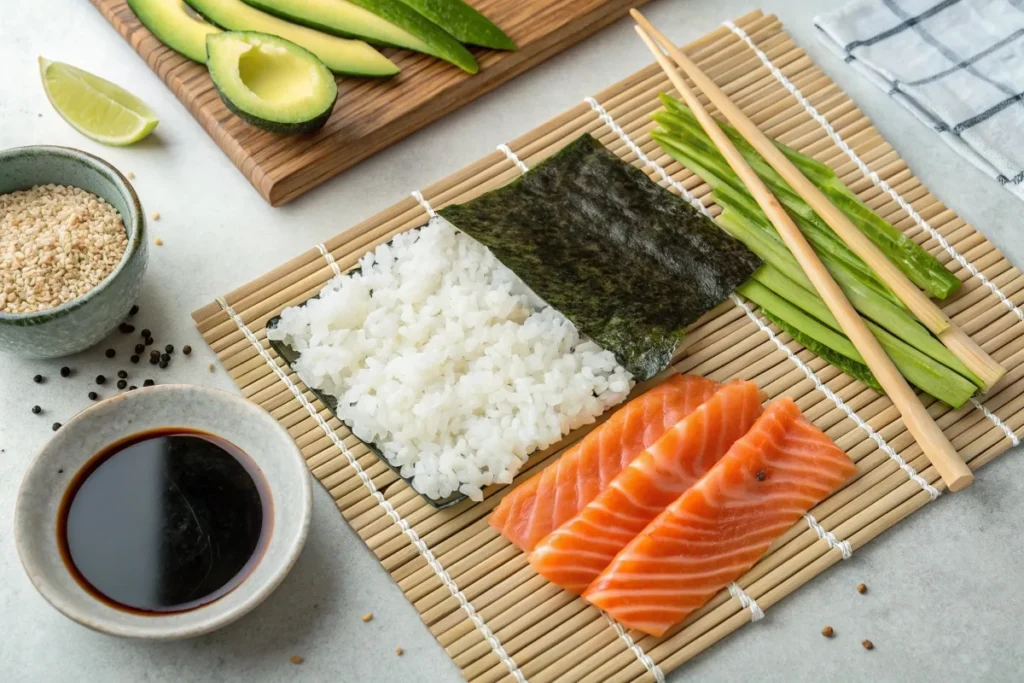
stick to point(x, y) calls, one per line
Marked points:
point(958, 65)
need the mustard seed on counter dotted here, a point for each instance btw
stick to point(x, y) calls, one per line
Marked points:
point(56, 243)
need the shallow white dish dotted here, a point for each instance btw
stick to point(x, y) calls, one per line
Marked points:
point(226, 415)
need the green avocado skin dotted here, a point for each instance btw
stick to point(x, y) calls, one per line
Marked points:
point(443, 46)
point(463, 22)
point(309, 125)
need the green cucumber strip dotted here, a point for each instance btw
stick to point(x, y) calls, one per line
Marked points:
point(895, 320)
point(463, 22)
point(917, 264)
point(920, 370)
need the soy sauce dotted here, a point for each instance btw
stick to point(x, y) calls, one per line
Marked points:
point(164, 521)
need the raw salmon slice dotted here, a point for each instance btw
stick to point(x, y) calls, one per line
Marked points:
point(718, 529)
point(548, 499)
point(578, 551)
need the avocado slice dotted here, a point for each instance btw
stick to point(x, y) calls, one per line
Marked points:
point(463, 22)
point(176, 25)
point(271, 82)
point(352, 57)
point(383, 22)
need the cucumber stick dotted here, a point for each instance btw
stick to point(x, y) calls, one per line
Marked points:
point(805, 312)
point(463, 22)
point(921, 267)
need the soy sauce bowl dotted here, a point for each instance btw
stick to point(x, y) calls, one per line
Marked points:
point(228, 416)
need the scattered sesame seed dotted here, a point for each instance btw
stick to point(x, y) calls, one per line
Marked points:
point(210, 367)
point(156, 215)
point(828, 632)
point(131, 176)
point(186, 349)
point(110, 353)
point(368, 616)
point(868, 645)
point(862, 588)
point(159, 242)
point(399, 651)
point(296, 659)
point(65, 371)
point(93, 396)
point(36, 410)
point(121, 384)
point(38, 379)
point(100, 379)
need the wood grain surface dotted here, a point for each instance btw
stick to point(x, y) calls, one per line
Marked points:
point(370, 114)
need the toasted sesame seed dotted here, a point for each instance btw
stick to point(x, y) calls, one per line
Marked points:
point(159, 242)
point(399, 651)
point(828, 632)
point(59, 243)
point(131, 176)
point(211, 367)
point(868, 645)
point(368, 616)
point(156, 215)
point(296, 659)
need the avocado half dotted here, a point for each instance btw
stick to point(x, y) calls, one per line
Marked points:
point(176, 24)
point(271, 82)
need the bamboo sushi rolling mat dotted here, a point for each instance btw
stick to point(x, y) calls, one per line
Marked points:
point(497, 619)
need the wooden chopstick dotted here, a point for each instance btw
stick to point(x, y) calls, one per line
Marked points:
point(933, 442)
point(970, 353)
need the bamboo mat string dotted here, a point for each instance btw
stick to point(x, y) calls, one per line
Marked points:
point(417, 542)
point(850, 413)
point(756, 613)
point(857, 419)
point(643, 657)
point(844, 546)
point(878, 181)
point(507, 151)
point(329, 258)
point(655, 670)
point(418, 196)
point(896, 196)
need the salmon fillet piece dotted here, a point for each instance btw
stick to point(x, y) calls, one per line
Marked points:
point(575, 554)
point(550, 498)
point(718, 529)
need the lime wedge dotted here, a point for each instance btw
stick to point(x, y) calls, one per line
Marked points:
point(94, 107)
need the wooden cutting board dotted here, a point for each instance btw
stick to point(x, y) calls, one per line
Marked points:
point(370, 114)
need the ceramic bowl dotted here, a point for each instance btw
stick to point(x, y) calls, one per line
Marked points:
point(82, 322)
point(231, 417)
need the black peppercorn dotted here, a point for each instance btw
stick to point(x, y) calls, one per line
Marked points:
point(125, 328)
point(93, 396)
point(134, 359)
point(163, 365)
point(100, 379)
point(134, 310)
point(56, 426)
point(146, 333)
point(154, 354)
point(149, 341)
point(186, 349)
point(148, 383)
point(121, 384)
point(139, 348)
point(153, 360)
point(169, 348)
point(165, 357)
point(38, 379)
point(111, 353)
point(132, 388)
point(36, 410)
point(122, 374)
point(65, 371)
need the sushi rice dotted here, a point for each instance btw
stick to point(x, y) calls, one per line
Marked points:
point(443, 358)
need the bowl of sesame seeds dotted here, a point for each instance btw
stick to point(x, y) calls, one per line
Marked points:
point(72, 250)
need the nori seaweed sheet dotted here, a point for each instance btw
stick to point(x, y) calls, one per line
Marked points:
point(627, 261)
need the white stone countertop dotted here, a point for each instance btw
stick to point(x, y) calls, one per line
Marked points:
point(944, 600)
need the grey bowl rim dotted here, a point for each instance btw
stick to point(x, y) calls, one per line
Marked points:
point(135, 231)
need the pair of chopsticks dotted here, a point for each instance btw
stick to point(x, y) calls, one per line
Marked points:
point(933, 442)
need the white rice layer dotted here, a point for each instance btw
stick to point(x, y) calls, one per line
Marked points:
point(442, 357)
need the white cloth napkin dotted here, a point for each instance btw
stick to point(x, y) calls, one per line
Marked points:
point(958, 65)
